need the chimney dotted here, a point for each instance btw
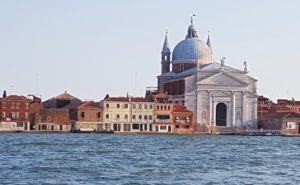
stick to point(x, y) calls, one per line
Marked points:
point(4, 94)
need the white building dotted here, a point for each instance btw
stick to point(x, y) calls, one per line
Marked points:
point(128, 114)
point(220, 96)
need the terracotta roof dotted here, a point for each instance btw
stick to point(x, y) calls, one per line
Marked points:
point(180, 108)
point(128, 99)
point(281, 115)
point(73, 105)
point(263, 98)
point(65, 96)
point(89, 105)
point(14, 98)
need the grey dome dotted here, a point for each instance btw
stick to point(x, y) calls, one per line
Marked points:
point(192, 50)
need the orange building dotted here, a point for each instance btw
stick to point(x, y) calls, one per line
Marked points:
point(182, 120)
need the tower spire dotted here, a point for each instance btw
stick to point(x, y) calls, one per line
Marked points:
point(165, 56)
point(166, 46)
point(208, 42)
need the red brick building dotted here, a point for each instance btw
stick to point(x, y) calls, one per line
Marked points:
point(53, 114)
point(283, 115)
point(14, 111)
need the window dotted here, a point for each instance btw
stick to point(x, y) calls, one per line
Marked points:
point(161, 108)
point(163, 127)
point(165, 108)
point(19, 124)
point(169, 107)
point(133, 106)
point(107, 105)
point(26, 115)
point(125, 106)
point(118, 106)
point(133, 116)
point(126, 116)
point(150, 117)
point(176, 126)
point(15, 115)
point(60, 127)
point(150, 106)
point(99, 114)
point(145, 106)
point(127, 127)
point(157, 107)
point(145, 117)
point(3, 115)
point(44, 127)
point(118, 116)
point(107, 116)
point(163, 116)
point(140, 106)
point(140, 116)
point(136, 126)
point(82, 114)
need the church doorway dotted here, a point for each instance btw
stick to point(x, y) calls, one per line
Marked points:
point(221, 113)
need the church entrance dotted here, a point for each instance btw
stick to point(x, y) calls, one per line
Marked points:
point(221, 113)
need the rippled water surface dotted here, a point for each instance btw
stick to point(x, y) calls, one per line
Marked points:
point(147, 159)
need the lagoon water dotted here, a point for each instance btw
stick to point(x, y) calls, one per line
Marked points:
point(147, 159)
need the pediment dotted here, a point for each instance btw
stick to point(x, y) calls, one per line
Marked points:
point(221, 94)
point(222, 79)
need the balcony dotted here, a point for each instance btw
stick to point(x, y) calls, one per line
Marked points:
point(163, 121)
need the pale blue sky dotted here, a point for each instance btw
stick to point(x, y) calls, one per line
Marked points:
point(94, 47)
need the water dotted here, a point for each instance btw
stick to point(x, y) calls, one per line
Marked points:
point(147, 159)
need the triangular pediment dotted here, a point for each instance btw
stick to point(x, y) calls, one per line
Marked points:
point(222, 79)
point(221, 94)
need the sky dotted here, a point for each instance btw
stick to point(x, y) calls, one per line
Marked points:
point(91, 48)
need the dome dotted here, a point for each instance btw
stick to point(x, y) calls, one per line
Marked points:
point(192, 50)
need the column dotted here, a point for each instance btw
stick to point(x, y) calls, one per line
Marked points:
point(198, 107)
point(244, 120)
point(233, 109)
point(210, 112)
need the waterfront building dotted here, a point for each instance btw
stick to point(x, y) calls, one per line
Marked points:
point(86, 116)
point(170, 117)
point(54, 114)
point(220, 97)
point(128, 114)
point(52, 120)
point(14, 112)
point(182, 120)
point(163, 117)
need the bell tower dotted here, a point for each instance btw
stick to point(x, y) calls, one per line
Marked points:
point(165, 56)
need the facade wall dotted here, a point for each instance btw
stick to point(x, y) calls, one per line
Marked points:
point(128, 116)
point(203, 100)
point(52, 120)
point(14, 113)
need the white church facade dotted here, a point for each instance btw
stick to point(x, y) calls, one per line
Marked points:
point(219, 96)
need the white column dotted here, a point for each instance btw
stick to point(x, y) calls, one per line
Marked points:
point(210, 112)
point(198, 106)
point(233, 109)
point(244, 108)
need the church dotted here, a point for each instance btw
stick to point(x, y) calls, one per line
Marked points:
point(221, 97)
